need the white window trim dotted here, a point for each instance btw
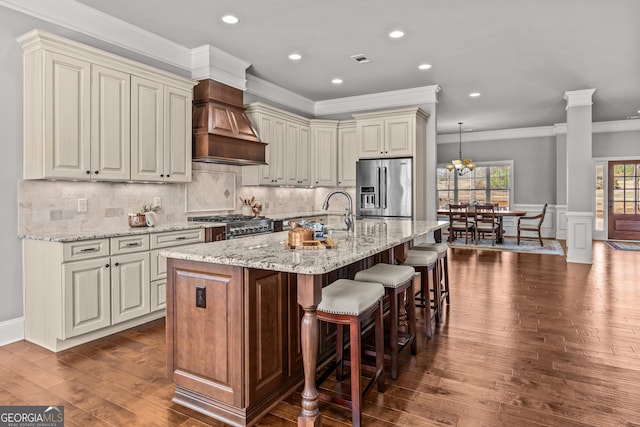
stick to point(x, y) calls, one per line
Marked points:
point(509, 163)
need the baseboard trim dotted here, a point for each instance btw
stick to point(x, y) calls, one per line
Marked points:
point(11, 331)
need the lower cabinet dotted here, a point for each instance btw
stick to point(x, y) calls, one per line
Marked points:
point(86, 296)
point(130, 287)
point(75, 292)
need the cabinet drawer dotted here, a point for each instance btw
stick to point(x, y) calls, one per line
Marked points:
point(85, 249)
point(176, 238)
point(129, 244)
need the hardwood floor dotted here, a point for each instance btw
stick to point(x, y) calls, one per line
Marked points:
point(528, 341)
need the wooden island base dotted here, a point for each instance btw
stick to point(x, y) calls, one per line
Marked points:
point(241, 353)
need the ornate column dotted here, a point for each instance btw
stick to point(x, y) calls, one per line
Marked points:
point(580, 190)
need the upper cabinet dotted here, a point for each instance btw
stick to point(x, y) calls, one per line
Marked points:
point(387, 133)
point(324, 152)
point(289, 151)
point(91, 115)
point(347, 153)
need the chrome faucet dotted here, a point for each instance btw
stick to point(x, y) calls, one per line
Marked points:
point(349, 216)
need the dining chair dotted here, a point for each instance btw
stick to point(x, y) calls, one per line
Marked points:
point(532, 227)
point(459, 222)
point(485, 222)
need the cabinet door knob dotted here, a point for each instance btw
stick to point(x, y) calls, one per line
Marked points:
point(88, 172)
point(167, 175)
point(106, 265)
point(161, 175)
point(96, 172)
point(117, 264)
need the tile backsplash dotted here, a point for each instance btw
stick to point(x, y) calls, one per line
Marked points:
point(53, 205)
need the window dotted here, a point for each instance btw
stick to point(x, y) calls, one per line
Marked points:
point(486, 183)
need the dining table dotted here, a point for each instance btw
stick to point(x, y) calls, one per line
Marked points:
point(499, 214)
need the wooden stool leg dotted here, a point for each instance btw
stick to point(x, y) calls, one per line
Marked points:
point(379, 332)
point(437, 294)
point(356, 387)
point(445, 261)
point(412, 315)
point(393, 333)
point(339, 352)
point(424, 284)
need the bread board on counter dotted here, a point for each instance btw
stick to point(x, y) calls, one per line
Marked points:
point(313, 244)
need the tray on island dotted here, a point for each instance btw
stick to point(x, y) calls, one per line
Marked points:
point(314, 244)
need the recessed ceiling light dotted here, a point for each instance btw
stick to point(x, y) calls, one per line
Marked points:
point(230, 19)
point(424, 66)
point(295, 57)
point(336, 81)
point(396, 34)
point(474, 94)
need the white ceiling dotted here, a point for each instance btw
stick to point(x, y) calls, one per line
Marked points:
point(522, 55)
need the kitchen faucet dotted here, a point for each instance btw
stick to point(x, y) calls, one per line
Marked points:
point(349, 216)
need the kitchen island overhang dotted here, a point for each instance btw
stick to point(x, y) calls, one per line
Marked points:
point(242, 330)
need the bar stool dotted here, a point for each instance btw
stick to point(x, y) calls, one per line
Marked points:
point(424, 262)
point(443, 269)
point(349, 302)
point(397, 280)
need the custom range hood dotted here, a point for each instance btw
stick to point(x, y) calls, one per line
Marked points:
point(222, 132)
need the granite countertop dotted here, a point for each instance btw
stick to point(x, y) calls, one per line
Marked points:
point(125, 230)
point(267, 251)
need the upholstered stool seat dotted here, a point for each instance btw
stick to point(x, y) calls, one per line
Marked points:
point(425, 262)
point(443, 270)
point(397, 280)
point(350, 302)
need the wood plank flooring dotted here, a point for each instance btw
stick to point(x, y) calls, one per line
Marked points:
point(527, 341)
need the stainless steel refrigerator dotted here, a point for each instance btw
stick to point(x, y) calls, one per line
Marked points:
point(384, 188)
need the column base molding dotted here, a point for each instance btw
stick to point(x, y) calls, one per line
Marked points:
point(580, 237)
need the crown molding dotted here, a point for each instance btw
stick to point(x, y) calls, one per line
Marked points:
point(578, 98)
point(209, 62)
point(275, 93)
point(86, 20)
point(495, 135)
point(538, 132)
point(396, 98)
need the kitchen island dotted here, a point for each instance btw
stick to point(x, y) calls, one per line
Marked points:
point(242, 329)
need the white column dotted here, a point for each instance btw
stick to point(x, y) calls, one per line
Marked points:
point(580, 190)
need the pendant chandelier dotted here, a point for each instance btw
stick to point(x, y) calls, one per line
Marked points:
point(461, 165)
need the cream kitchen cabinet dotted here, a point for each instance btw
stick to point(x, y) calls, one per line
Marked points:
point(388, 133)
point(297, 155)
point(77, 291)
point(160, 132)
point(347, 153)
point(79, 116)
point(324, 152)
point(288, 139)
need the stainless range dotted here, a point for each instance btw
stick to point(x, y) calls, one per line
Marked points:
point(240, 225)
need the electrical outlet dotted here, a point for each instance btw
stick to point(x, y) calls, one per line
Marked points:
point(82, 205)
point(201, 297)
point(157, 201)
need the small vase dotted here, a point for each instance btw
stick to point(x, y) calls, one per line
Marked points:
point(246, 210)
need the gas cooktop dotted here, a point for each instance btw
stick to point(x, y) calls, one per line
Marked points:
point(225, 218)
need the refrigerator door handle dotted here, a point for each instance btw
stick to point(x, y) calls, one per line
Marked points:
point(378, 189)
point(386, 183)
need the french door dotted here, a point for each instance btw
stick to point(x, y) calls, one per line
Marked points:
point(624, 200)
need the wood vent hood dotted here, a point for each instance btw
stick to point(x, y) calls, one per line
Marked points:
point(222, 132)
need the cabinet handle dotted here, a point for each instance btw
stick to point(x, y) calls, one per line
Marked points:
point(168, 175)
point(181, 238)
point(117, 264)
point(96, 172)
point(106, 265)
point(88, 250)
point(161, 175)
point(88, 172)
point(130, 245)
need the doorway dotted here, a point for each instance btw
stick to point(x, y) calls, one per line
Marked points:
point(624, 200)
